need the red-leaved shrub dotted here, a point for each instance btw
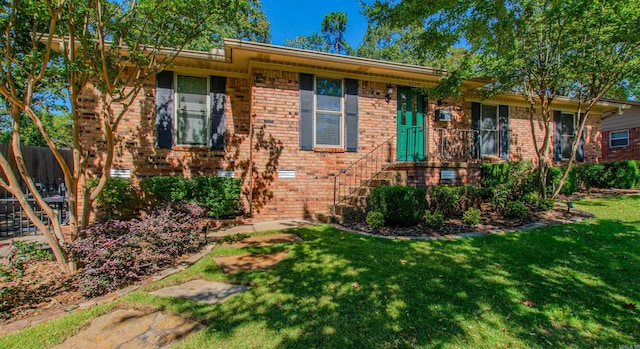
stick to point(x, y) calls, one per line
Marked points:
point(115, 254)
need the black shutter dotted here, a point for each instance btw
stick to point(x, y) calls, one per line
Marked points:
point(503, 124)
point(218, 94)
point(164, 109)
point(557, 135)
point(351, 114)
point(580, 150)
point(475, 127)
point(306, 111)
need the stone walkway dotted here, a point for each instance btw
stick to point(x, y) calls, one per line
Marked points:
point(130, 328)
point(210, 292)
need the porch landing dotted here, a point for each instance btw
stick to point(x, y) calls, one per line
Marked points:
point(430, 173)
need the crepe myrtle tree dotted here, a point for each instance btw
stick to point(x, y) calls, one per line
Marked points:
point(542, 49)
point(112, 46)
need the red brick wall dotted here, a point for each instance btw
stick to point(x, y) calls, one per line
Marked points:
point(268, 104)
point(631, 152)
point(275, 104)
point(272, 101)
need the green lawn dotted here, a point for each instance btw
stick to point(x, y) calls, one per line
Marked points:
point(450, 294)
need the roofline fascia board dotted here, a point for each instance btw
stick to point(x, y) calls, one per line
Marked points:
point(215, 54)
point(331, 57)
point(558, 99)
point(342, 74)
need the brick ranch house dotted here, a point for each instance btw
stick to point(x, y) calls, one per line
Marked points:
point(621, 134)
point(303, 129)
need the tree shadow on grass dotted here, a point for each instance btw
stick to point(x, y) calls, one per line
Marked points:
point(342, 290)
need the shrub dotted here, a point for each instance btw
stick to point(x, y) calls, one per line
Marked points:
point(507, 181)
point(553, 178)
point(571, 183)
point(400, 206)
point(119, 199)
point(515, 209)
point(433, 219)
point(621, 174)
point(471, 217)
point(375, 219)
point(536, 203)
point(220, 196)
point(445, 199)
point(164, 188)
point(472, 196)
point(546, 205)
point(116, 253)
point(591, 175)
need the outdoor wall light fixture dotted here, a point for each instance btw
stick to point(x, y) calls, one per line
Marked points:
point(387, 97)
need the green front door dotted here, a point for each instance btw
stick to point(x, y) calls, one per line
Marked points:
point(410, 141)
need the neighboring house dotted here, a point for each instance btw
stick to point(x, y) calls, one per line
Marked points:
point(621, 134)
point(288, 121)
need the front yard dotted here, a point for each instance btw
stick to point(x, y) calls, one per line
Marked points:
point(575, 285)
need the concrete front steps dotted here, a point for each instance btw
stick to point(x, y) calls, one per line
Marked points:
point(354, 207)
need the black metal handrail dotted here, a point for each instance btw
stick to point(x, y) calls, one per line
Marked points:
point(352, 178)
point(438, 144)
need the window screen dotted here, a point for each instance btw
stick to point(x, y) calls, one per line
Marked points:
point(328, 121)
point(192, 110)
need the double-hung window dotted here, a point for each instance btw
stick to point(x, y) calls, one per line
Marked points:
point(619, 138)
point(489, 130)
point(192, 110)
point(568, 134)
point(329, 112)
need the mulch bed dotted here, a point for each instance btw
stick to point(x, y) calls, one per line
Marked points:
point(42, 287)
point(491, 220)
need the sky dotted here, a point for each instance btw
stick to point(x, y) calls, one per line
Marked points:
point(303, 17)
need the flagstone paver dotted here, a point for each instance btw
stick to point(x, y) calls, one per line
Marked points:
point(201, 291)
point(132, 329)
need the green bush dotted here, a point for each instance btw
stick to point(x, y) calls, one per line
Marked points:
point(472, 196)
point(119, 199)
point(515, 209)
point(546, 205)
point(400, 206)
point(219, 195)
point(507, 181)
point(165, 188)
point(433, 219)
point(571, 183)
point(616, 174)
point(471, 217)
point(445, 199)
point(375, 219)
point(621, 174)
point(591, 175)
point(553, 178)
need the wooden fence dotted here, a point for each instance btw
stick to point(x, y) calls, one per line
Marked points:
point(48, 177)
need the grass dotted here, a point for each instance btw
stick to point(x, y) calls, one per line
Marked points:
point(411, 294)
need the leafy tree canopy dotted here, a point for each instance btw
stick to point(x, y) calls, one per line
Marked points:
point(332, 39)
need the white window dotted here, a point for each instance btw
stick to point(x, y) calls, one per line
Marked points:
point(489, 130)
point(619, 138)
point(192, 110)
point(329, 109)
point(568, 123)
